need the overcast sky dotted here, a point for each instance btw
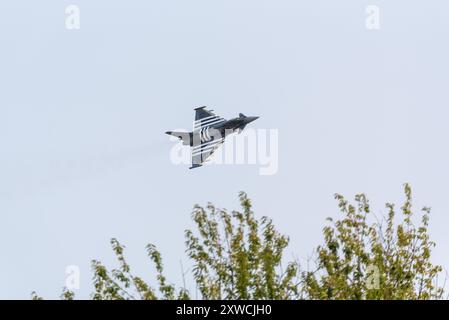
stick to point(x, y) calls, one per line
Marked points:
point(84, 157)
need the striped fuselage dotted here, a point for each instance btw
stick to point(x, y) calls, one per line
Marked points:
point(213, 129)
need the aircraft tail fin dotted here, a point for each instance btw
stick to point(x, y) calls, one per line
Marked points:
point(185, 137)
point(203, 113)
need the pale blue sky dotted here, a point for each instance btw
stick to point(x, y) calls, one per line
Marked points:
point(83, 155)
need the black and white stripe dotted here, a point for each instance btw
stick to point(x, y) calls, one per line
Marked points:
point(204, 135)
point(206, 147)
point(207, 144)
point(206, 122)
point(208, 137)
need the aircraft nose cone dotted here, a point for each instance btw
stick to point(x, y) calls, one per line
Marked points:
point(251, 119)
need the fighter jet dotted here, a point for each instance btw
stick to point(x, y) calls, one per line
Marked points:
point(209, 132)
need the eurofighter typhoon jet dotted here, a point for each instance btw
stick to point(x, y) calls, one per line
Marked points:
point(209, 132)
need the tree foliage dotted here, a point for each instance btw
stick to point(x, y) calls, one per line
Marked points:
point(366, 259)
point(122, 284)
point(234, 255)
